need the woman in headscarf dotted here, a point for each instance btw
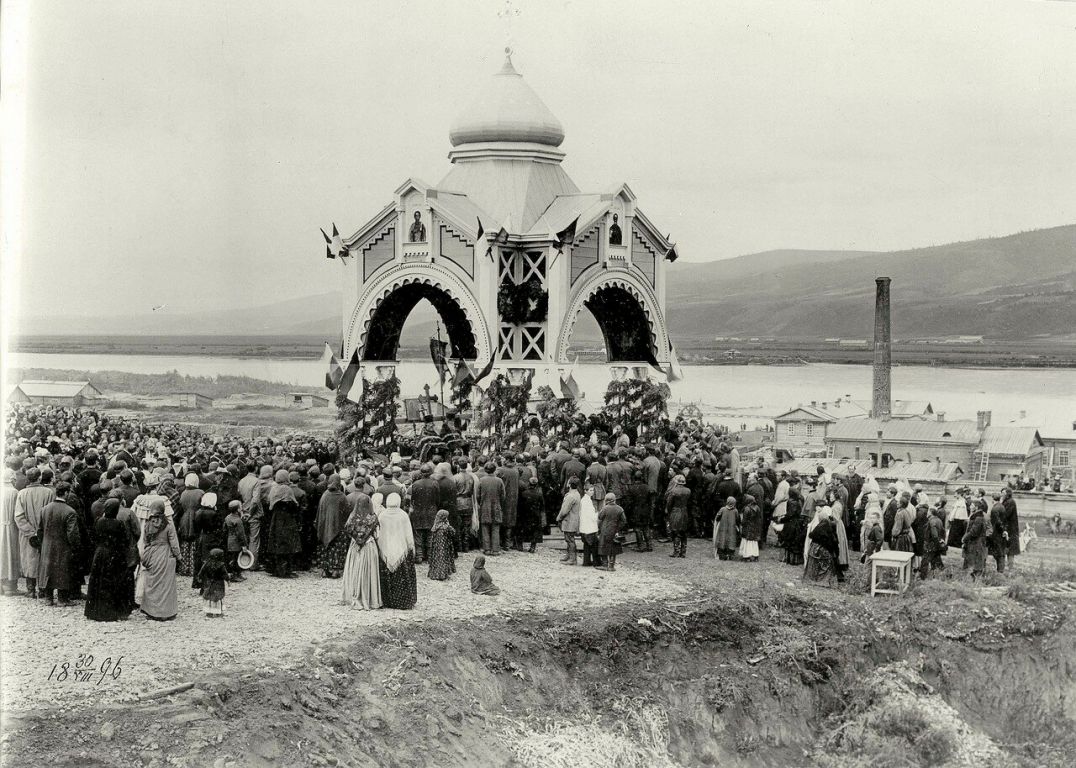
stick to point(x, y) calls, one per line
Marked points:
point(282, 540)
point(333, 542)
point(108, 592)
point(160, 552)
point(481, 581)
point(396, 542)
point(212, 576)
point(725, 536)
point(751, 528)
point(871, 514)
point(841, 564)
point(823, 548)
point(209, 528)
point(189, 501)
point(441, 553)
point(362, 585)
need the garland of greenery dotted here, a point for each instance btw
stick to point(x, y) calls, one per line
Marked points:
point(502, 423)
point(371, 424)
point(557, 414)
point(514, 302)
point(638, 402)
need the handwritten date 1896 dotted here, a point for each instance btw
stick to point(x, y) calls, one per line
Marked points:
point(85, 671)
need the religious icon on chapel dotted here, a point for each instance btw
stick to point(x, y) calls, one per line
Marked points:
point(418, 229)
point(615, 236)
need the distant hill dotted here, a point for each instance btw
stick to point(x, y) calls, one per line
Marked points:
point(1012, 287)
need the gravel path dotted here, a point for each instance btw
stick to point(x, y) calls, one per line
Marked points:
point(268, 622)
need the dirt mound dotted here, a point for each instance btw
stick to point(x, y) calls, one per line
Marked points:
point(762, 678)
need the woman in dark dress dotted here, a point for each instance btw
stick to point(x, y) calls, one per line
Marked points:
point(209, 530)
point(282, 541)
point(794, 534)
point(441, 554)
point(333, 541)
point(396, 542)
point(107, 592)
point(822, 555)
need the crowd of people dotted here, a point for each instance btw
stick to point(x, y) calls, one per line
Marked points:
point(113, 511)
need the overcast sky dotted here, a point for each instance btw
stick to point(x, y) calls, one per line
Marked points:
point(188, 152)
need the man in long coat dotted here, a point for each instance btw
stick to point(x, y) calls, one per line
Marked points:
point(509, 475)
point(28, 505)
point(425, 498)
point(59, 545)
point(1012, 526)
point(490, 498)
point(9, 537)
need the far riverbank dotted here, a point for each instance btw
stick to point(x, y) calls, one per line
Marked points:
point(1034, 353)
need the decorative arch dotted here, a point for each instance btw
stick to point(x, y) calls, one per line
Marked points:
point(618, 295)
point(379, 315)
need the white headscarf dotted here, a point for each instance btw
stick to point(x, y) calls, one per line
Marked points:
point(395, 538)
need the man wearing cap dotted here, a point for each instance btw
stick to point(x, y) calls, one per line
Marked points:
point(568, 519)
point(490, 499)
point(531, 513)
point(425, 502)
point(509, 475)
point(29, 504)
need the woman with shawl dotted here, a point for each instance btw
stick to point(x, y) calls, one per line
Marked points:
point(333, 542)
point(362, 585)
point(841, 565)
point(726, 538)
point(283, 541)
point(751, 528)
point(871, 514)
point(189, 501)
point(823, 548)
point(396, 542)
point(108, 591)
point(160, 551)
point(441, 553)
point(481, 581)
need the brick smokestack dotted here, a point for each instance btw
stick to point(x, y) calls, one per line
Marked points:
point(882, 400)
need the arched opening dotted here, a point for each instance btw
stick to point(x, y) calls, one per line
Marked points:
point(387, 323)
point(623, 324)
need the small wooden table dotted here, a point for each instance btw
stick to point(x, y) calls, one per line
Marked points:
point(890, 558)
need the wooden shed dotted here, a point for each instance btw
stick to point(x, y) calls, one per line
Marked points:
point(305, 400)
point(40, 392)
point(193, 400)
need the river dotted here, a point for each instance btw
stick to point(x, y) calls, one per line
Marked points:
point(736, 394)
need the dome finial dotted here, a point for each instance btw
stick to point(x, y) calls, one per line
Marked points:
point(508, 69)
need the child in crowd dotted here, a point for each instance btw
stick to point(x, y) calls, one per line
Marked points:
point(212, 577)
point(237, 539)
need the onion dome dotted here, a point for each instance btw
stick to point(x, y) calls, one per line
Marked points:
point(507, 110)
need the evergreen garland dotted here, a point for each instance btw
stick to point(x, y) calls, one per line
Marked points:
point(638, 402)
point(557, 414)
point(371, 424)
point(502, 423)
